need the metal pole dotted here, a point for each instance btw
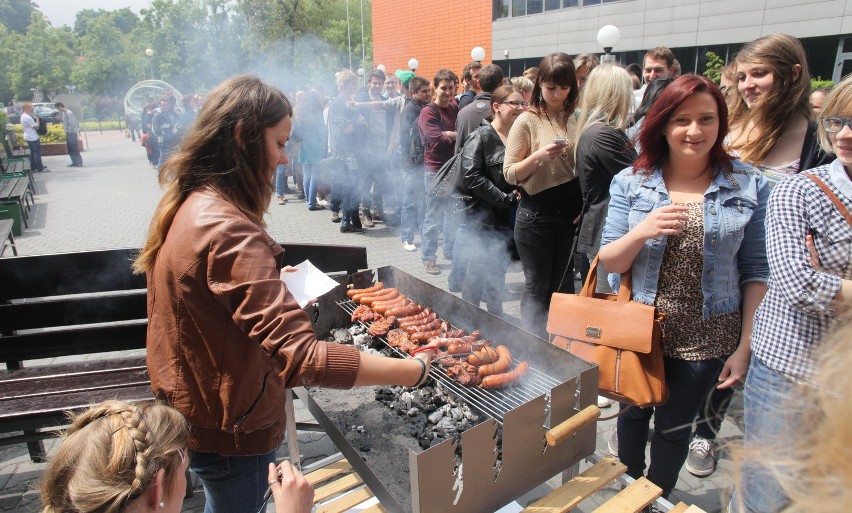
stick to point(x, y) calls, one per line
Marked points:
point(363, 60)
point(348, 35)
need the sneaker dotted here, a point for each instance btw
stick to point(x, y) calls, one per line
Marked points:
point(408, 246)
point(367, 220)
point(378, 216)
point(301, 196)
point(431, 267)
point(650, 508)
point(701, 460)
point(612, 443)
point(604, 402)
point(324, 202)
point(314, 208)
point(350, 228)
point(335, 217)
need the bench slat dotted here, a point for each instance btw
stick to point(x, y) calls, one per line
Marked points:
point(72, 341)
point(73, 311)
point(71, 383)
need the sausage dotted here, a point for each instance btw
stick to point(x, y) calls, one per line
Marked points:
point(375, 288)
point(473, 337)
point(456, 333)
point(483, 356)
point(405, 310)
point(466, 347)
point(383, 306)
point(379, 293)
point(422, 315)
point(507, 378)
point(423, 336)
point(504, 360)
point(423, 327)
point(419, 322)
point(446, 341)
point(385, 295)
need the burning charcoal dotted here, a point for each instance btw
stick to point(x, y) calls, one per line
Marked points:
point(462, 426)
point(356, 329)
point(341, 336)
point(436, 416)
point(469, 415)
point(446, 424)
point(362, 340)
point(425, 442)
point(429, 408)
point(412, 412)
point(407, 398)
point(457, 414)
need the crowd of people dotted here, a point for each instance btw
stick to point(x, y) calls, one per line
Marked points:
point(725, 205)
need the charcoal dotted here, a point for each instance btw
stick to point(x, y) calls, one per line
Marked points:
point(364, 447)
point(436, 416)
point(356, 329)
point(363, 340)
point(425, 441)
point(407, 398)
point(341, 336)
point(412, 412)
point(446, 424)
point(457, 414)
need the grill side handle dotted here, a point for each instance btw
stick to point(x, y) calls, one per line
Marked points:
point(567, 428)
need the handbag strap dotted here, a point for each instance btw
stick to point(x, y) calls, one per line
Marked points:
point(624, 290)
point(832, 197)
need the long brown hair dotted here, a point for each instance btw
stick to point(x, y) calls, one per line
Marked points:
point(788, 98)
point(111, 454)
point(212, 156)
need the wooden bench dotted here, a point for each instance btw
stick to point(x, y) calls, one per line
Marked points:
point(63, 318)
point(7, 238)
point(15, 189)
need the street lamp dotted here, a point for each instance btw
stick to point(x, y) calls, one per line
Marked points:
point(608, 37)
point(381, 67)
point(150, 53)
point(478, 53)
point(360, 75)
point(413, 64)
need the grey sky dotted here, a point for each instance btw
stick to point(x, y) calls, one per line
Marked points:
point(63, 12)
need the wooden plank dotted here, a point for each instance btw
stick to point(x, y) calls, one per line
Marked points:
point(336, 487)
point(346, 502)
point(693, 509)
point(679, 508)
point(72, 310)
point(633, 498)
point(329, 471)
point(375, 508)
point(119, 336)
point(578, 489)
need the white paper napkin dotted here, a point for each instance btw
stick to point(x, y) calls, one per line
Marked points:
point(307, 282)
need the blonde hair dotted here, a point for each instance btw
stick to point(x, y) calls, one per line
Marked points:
point(607, 98)
point(813, 461)
point(110, 455)
point(212, 156)
point(837, 102)
point(788, 98)
point(343, 76)
point(523, 84)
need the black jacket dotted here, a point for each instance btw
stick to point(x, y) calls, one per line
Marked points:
point(471, 116)
point(812, 154)
point(491, 196)
point(602, 152)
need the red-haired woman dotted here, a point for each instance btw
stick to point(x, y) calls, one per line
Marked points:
point(687, 221)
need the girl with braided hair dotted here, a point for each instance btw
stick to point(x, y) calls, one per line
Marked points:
point(118, 457)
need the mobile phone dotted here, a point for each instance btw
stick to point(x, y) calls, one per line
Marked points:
point(560, 140)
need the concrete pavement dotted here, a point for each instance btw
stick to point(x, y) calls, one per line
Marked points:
point(109, 203)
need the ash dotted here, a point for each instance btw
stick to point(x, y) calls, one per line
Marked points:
point(357, 335)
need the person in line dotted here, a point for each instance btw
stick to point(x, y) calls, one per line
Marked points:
point(583, 65)
point(817, 98)
point(539, 160)
point(809, 245)
point(470, 83)
point(29, 123)
point(345, 130)
point(310, 133)
point(486, 227)
point(164, 126)
point(149, 140)
point(72, 130)
point(525, 86)
point(686, 220)
point(652, 92)
point(119, 457)
point(226, 339)
point(413, 192)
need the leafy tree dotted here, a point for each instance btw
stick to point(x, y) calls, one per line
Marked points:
point(15, 14)
point(124, 20)
point(43, 58)
point(714, 68)
point(104, 64)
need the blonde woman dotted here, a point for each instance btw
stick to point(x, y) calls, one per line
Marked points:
point(525, 86)
point(119, 457)
point(540, 161)
point(771, 117)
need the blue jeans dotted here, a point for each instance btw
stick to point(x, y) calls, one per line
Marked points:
point(35, 155)
point(413, 203)
point(771, 417)
point(464, 245)
point(488, 256)
point(232, 484)
point(280, 180)
point(310, 181)
point(438, 210)
point(688, 382)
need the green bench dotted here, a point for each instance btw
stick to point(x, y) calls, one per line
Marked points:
point(7, 237)
point(16, 196)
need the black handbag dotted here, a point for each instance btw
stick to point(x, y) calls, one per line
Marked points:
point(447, 179)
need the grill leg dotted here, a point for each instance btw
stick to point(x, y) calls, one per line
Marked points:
point(36, 449)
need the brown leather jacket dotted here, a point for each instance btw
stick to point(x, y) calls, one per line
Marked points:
point(225, 337)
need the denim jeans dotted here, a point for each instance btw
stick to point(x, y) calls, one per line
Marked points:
point(373, 180)
point(488, 256)
point(232, 484)
point(712, 412)
point(310, 182)
point(35, 155)
point(73, 145)
point(688, 382)
point(280, 180)
point(543, 238)
point(438, 211)
point(413, 203)
point(771, 416)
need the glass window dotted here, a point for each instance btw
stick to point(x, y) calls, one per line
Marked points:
point(591, 2)
point(550, 5)
point(499, 9)
point(570, 3)
point(534, 6)
point(847, 44)
point(519, 7)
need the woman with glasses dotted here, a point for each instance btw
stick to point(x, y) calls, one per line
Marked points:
point(809, 245)
point(119, 457)
point(539, 159)
point(486, 224)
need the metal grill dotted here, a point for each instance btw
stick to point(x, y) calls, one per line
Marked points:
point(494, 403)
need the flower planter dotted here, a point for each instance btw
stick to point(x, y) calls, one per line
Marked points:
point(53, 149)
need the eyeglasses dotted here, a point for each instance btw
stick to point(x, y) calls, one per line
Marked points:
point(516, 104)
point(834, 125)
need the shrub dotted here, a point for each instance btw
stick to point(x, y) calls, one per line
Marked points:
point(714, 68)
point(55, 134)
point(817, 82)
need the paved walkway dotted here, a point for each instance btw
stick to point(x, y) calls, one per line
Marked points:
point(109, 203)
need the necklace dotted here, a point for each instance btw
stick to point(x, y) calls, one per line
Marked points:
point(564, 135)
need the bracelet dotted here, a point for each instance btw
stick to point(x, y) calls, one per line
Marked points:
point(422, 372)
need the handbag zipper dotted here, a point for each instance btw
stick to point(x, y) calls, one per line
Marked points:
point(618, 371)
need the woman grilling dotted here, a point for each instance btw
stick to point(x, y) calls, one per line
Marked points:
point(687, 221)
point(225, 337)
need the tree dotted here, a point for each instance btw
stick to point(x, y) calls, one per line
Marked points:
point(42, 60)
point(104, 65)
point(714, 68)
point(124, 20)
point(15, 14)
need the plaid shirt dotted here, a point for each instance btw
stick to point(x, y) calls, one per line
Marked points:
point(796, 312)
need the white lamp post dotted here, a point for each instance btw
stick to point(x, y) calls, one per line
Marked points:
point(150, 53)
point(381, 67)
point(608, 37)
point(361, 75)
point(478, 53)
point(413, 64)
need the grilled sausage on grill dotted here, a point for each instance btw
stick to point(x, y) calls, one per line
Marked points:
point(351, 293)
point(504, 360)
point(507, 378)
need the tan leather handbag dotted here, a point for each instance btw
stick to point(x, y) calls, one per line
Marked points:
point(621, 336)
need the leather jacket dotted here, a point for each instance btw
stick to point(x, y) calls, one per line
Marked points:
point(488, 197)
point(225, 337)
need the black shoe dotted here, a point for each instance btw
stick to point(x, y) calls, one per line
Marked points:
point(72, 165)
point(357, 229)
point(301, 195)
point(316, 207)
point(345, 228)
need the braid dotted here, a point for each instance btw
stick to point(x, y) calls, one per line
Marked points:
point(142, 443)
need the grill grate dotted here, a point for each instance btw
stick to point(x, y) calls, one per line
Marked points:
point(492, 403)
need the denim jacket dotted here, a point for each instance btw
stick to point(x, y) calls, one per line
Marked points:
point(734, 235)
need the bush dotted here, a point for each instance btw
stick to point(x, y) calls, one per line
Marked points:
point(818, 82)
point(93, 126)
point(55, 134)
point(714, 67)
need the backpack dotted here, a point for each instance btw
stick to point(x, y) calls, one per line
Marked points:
point(42, 127)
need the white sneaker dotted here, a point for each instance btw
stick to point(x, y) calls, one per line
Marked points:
point(323, 202)
point(408, 246)
point(604, 402)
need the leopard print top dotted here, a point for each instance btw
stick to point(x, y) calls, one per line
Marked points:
point(686, 335)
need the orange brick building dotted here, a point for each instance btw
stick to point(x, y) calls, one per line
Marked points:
point(438, 35)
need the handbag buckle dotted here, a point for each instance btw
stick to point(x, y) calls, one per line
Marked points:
point(593, 332)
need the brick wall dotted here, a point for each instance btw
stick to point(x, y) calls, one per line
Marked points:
point(443, 40)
